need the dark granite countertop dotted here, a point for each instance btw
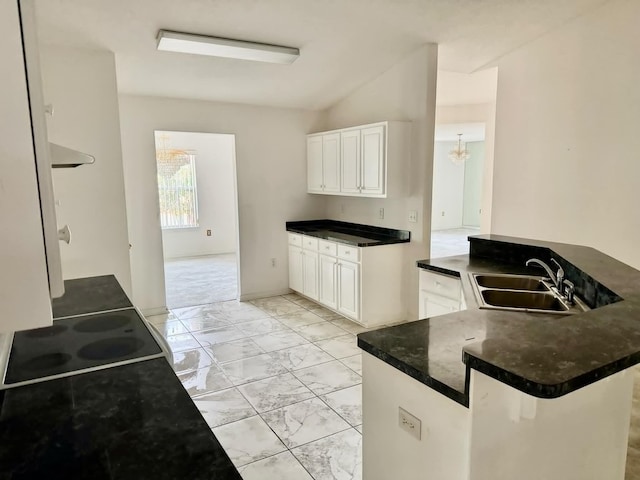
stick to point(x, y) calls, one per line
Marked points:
point(129, 422)
point(544, 355)
point(350, 233)
point(90, 295)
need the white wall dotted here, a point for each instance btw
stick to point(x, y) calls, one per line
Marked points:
point(216, 190)
point(448, 188)
point(81, 85)
point(271, 177)
point(567, 143)
point(406, 92)
point(477, 113)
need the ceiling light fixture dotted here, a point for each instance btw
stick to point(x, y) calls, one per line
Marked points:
point(225, 47)
point(459, 155)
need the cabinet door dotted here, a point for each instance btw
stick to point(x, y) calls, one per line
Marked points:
point(350, 152)
point(310, 274)
point(314, 164)
point(349, 289)
point(432, 305)
point(373, 161)
point(296, 281)
point(327, 287)
point(24, 284)
point(331, 162)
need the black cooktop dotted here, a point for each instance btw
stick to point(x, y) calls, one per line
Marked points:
point(78, 343)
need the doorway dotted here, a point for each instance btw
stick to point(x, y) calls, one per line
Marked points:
point(198, 216)
point(458, 164)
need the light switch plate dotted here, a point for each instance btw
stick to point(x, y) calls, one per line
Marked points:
point(413, 216)
point(409, 423)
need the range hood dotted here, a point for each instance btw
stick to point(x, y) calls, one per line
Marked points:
point(63, 157)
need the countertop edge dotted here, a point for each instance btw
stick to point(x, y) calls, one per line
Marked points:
point(548, 391)
point(389, 236)
point(459, 397)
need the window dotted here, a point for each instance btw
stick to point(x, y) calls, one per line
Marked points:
point(177, 190)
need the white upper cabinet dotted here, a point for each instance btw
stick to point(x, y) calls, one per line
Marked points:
point(323, 163)
point(373, 161)
point(359, 161)
point(350, 150)
point(314, 164)
point(331, 163)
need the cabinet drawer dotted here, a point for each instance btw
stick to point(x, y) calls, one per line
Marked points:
point(442, 285)
point(295, 239)
point(349, 253)
point(310, 243)
point(327, 248)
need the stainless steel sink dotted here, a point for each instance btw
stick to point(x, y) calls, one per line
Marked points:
point(512, 282)
point(524, 300)
point(522, 293)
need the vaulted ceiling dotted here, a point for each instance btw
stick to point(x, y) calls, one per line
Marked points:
point(343, 43)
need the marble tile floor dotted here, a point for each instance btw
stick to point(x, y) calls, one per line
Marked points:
point(285, 401)
point(445, 243)
point(201, 280)
point(279, 382)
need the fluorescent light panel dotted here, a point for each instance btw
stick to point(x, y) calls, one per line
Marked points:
point(225, 47)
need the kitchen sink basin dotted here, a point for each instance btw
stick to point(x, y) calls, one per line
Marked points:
point(523, 300)
point(512, 282)
point(523, 293)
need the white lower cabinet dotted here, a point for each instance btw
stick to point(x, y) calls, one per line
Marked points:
point(439, 294)
point(296, 279)
point(361, 283)
point(349, 289)
point(303, 268)
point(327, 284)
point(310, 274)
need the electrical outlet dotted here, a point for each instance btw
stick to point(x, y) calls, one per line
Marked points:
point(273, 262)
point(442, 213)
point(208, 233)
point(381, 213)
point(413, 216)
point(409, 423)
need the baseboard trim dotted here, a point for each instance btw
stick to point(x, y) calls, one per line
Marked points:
point(255, 296)
point(150, 312)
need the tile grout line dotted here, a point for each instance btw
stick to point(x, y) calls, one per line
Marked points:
point(290, 371)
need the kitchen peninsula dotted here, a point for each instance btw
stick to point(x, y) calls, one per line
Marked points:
point(499, 394)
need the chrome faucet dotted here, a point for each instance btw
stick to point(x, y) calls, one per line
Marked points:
point(556, 278)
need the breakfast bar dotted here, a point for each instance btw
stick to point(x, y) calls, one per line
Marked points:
point(500, 393)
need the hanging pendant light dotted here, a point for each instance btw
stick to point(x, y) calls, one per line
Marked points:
point(459, 155)
point(170, 160)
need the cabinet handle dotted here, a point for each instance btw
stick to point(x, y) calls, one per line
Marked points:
point(347, 253)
